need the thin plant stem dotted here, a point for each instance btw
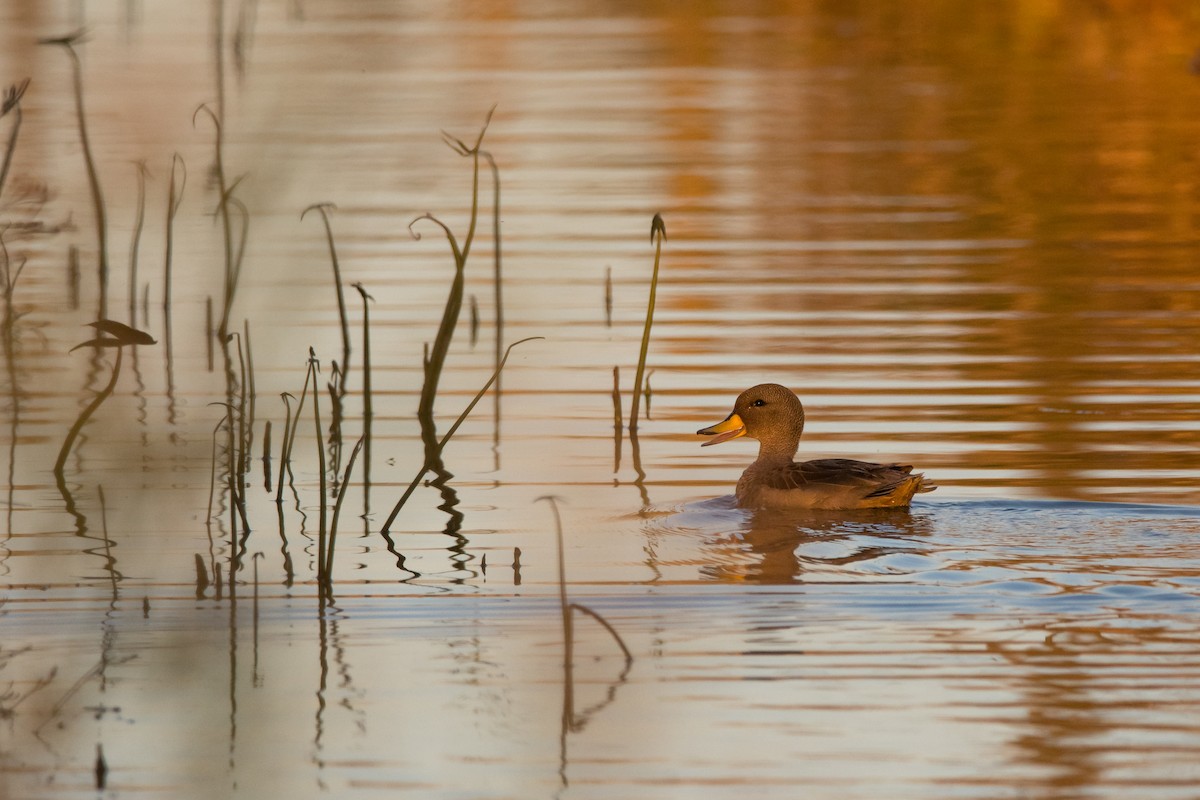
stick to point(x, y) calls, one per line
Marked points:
point(325, 208)
point(266, 456)
point(313, 366)
point(242, 453)
point(337, 511)
point(208, 329)
point(289, 437)
point(67, 43)
point(658, 232)
point(287, 430)
point(498, 292)
point(134, 245)
point(239, 251)
point(175, 187)
point(436, 359)
point(618, 427)
point(368, 411)
point(250, 394)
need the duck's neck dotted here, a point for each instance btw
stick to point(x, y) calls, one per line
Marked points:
point(777, 452)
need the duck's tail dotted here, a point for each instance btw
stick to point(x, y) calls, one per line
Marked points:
point(899, 491)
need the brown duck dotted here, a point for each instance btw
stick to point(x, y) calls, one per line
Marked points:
point(773, 414)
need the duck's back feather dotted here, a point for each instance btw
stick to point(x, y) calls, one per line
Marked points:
point(830, 483)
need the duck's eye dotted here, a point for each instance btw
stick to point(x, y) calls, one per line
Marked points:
point(758, 403)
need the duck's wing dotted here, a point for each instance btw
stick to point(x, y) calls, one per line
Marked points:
point(846, 477)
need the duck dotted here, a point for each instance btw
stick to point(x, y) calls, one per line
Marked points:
point(774, 415)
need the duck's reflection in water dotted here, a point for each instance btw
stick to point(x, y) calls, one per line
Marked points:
point(784, 546)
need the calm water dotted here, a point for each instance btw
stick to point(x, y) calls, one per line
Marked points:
point(964, 233)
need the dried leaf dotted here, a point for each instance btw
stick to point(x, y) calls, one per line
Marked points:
point(123, 333)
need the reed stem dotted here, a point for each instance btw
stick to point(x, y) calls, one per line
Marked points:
point(324, 209)
point(135, 243)
point(658, 232)
point(313, 367)
point(89, 161)
point(337, 512)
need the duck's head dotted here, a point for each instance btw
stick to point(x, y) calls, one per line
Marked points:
point(768, 412)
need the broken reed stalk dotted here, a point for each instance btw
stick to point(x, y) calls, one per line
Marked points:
point(337, 513)
point(324, 209)
point(453, 429)
point(12, 103)
point(135, 243)
point(67, 43)
point(658, 232)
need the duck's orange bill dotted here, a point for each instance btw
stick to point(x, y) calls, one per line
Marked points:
point(730, 428)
